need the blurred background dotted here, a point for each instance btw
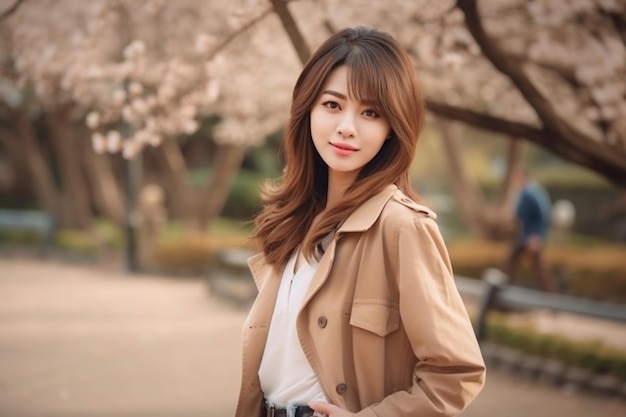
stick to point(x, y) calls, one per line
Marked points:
point(134, 137)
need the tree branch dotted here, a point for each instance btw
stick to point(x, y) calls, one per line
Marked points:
point(232, 36)
point(291, 27)
point(8, 12)
point(571, 143)
point(539, 136)
point(488, 122)
point(618, 23)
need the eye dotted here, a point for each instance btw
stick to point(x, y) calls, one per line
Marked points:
point(371, 113)
point(331, 105)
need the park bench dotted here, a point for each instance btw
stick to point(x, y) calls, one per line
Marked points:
point(230, 278)
point(34, 222)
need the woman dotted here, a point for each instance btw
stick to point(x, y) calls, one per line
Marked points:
point(357, 311)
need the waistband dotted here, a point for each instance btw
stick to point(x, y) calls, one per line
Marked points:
point(299, 411)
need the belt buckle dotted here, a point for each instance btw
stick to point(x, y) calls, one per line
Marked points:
point(304, 411)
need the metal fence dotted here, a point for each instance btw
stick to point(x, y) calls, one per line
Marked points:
point(493, 292)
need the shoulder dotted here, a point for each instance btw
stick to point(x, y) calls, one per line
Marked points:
point(401, 212)
point(401, 207)
point(388, 205)
point(410, 227)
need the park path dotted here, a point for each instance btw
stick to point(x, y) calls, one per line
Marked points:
point(80, 341)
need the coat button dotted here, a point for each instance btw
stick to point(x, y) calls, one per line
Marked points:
point(341, 388)
point(322, 321)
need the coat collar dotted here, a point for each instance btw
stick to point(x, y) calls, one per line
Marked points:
point(259, 267)
point(364, 217)
point(360, 220)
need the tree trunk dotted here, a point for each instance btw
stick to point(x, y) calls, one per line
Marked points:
point(106, 192)
point(41, 175)
point(76, 202)
point(489, 221)
point(227, 164)
point(17, 175)
point(514, 155)
point(174, 180)
point(468, 196)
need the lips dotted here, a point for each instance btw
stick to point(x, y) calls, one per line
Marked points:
point(343, 149)
point(344, 146)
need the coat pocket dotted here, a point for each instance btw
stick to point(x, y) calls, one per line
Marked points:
point(376, 316)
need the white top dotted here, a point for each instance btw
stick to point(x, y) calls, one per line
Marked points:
point(285, 374)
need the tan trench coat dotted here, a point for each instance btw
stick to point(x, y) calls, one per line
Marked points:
point(382, 325)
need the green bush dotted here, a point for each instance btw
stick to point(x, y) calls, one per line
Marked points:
point(103, 235)
point(77, 241)
point(596, 271)
point(19, 237)
point(593, 355)
point(183, 252)
point(108, 234)
point(188, 254)
point(471, 258)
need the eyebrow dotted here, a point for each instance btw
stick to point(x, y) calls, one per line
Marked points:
point(336, 94)
point(344, 97)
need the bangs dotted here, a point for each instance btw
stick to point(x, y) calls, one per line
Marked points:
point(365, 81)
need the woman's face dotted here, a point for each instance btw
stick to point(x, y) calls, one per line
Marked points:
point(346, 133)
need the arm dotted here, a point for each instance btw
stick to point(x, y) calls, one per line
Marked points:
point(450, 370)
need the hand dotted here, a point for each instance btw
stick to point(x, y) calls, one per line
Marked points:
point(329, 409)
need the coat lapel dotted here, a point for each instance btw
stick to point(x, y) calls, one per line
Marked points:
point(260, 316)
point(322, 272)
point(362, 219)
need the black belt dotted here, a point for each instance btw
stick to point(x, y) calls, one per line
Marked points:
point(271, 411)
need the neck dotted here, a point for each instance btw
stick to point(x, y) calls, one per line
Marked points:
point(338, 183)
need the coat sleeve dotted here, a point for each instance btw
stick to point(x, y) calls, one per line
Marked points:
point(450, 370)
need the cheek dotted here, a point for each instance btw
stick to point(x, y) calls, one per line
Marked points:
point(316, 132)
point(376, 147)
point(379, 136)
point(321, 129)
point(317, 120)
point(376, 141)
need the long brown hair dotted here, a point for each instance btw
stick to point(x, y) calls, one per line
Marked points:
point(380, 72)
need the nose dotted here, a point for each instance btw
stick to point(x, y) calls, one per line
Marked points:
point(346, 127)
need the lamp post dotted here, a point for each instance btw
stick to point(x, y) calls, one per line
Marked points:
point(133, 182)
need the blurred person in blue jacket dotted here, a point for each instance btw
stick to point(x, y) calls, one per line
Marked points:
point(532, 214)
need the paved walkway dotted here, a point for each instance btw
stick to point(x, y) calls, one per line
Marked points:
point(77, 341)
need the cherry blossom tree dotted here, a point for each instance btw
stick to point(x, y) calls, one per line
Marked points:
point(550, 72)
point(144, 73)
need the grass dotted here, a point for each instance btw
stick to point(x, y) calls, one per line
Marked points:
point(590, 355)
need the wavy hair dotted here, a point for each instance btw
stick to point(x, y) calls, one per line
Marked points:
point(379, 72)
